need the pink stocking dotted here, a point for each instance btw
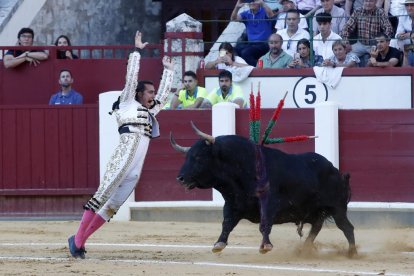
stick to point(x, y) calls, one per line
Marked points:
point(87, 217)
point(95, 224)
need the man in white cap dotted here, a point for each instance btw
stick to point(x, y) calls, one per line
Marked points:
point(404, 33)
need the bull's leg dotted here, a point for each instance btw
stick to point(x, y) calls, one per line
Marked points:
point(346, 226)
point(266, 222)
point(315, 229)
point(230, 221)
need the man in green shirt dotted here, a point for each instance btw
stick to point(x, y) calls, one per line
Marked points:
point(276, 58)
point(191, 96)
point(227, 92)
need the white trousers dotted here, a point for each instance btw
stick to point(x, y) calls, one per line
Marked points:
point(121, 176)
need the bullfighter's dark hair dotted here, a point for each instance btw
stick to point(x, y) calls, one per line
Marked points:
point(141, 85)
point(190, 74)
point(225, 74)
point(24, 31)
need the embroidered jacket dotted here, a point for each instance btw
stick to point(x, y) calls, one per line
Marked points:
point(131, 114)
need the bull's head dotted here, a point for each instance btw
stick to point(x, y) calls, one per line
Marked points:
point(197, 168)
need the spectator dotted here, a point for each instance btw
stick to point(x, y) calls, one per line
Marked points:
point(338, 16)
point(404, 32)
point(307, 6)
point(393, 14)
point(383, 55)
point(302, 58)
point(276, 58)
point(67, 95)
point(258, 28)
point(341, 58)
point(368, 21)
point(281, 18)
point(227, 92)
point(14, 58)
point(322, 43)
point(64, 41)
point(191, 96)
point(292, 34)
point(226, 58)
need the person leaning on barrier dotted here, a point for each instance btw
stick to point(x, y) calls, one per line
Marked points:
point(405, 32)
point(302, 58)
point(14, 58)
point(276, 57)
point(226, 92)
point(383, 55)
point(66, 95)
point(64, 41)
point(340, 57)
point(191, 96)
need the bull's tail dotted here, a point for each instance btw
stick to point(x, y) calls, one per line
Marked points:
point(347, 187)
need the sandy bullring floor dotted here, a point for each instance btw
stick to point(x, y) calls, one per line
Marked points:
point(171, 248)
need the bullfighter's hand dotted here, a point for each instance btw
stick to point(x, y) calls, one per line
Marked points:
point(168, 63)
point(138, 41)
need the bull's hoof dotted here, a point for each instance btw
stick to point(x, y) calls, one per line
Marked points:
point(264, 248)
point(352, 252)
point(218, 247)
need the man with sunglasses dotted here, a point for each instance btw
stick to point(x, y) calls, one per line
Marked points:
point(292, 34)
point(16, 57)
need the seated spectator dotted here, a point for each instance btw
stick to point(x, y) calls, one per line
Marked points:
point(227, 60)
point(258, 28)
point(341, 58)
point(383, 55)
point(276, 58)
point(302, 58)
point(322, 43)
point(292, 34)
point(67, 95)
point(191, 96)
point(367, 21)
point(227, 92)
point(14, 58)
point(405, 31)
point(338, 16)
point(281, 18)
point(64, 41)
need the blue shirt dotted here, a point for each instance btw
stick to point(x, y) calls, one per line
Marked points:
point(257, 28)
point(72, 97)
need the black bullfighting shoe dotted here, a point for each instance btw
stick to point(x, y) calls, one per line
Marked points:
point(74, 251)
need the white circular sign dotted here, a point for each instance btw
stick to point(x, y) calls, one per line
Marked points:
point(308, 92)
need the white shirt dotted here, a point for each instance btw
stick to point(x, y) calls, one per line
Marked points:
point(404, 26)
point(324, 49)
point(292, 42)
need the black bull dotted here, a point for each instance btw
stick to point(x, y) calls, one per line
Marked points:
point(299, 188)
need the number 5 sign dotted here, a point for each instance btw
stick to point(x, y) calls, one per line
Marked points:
point(308, 92)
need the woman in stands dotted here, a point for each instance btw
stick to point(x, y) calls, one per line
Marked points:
point(135, 111)
point(226, 58)
point(64, 41)
point(302, 58)
point(341, 58)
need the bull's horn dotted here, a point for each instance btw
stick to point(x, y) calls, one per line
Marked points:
point(176, 146)
point(203, 135)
